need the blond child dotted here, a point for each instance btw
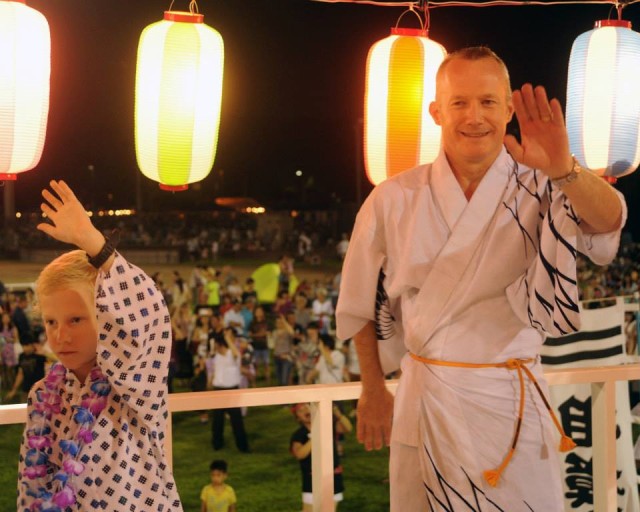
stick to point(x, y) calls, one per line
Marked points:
point(93, 437)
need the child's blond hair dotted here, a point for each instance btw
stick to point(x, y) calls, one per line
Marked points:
point(70, 270)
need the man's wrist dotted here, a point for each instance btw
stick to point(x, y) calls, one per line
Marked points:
point(571, 176)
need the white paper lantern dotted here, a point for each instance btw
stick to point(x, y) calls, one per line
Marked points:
point(25, 69)
point(603, 104)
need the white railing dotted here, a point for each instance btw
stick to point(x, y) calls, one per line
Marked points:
point(603, 390)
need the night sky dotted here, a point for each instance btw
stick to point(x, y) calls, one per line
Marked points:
point(292, 96)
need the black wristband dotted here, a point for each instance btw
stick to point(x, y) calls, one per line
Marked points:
point(109, 247)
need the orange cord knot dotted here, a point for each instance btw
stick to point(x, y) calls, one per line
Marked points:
point(512, 364)
point(492, 476)
point(566, 444)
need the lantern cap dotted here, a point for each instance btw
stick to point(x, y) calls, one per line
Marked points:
point(414, 32)
point(184, 17)
point(612, 23)
point(173, 188)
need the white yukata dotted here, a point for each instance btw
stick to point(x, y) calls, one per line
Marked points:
point(126, 468)
point(475, 281)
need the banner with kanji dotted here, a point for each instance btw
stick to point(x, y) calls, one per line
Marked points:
point(600, 342)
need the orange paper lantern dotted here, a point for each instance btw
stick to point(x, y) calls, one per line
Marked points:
point(399, 132)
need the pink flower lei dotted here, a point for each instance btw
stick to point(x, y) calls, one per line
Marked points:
point(57, 493)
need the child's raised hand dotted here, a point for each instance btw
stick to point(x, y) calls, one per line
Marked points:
point(70, 222)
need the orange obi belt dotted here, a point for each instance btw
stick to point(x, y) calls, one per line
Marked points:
point(519, 365)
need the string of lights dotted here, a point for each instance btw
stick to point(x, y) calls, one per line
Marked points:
point(432, 4)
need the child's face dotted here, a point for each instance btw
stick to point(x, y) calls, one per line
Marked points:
point(218, 477)
point(303, 413)
point(70, 322)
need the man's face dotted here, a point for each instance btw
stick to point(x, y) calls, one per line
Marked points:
point(69, 317)
point(473, 107)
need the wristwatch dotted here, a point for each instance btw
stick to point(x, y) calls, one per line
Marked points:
point(568, 178)
point(109, 247)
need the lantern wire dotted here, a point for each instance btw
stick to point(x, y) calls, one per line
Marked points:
point(193, 6)
point(432, 4)
point(412, 9)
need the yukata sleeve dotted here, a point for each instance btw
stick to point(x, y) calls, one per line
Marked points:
point(601, 248)
point(546, 295)
point(360, 273)
point(134, 337)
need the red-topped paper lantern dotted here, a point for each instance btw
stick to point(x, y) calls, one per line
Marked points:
point(178, 99)
point(25, 47)
point(603, 104)
point(399, 132)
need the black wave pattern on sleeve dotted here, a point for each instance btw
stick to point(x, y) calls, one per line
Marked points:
point(443, 497)
point(384, 318)
point(561, 283)
point(527, 238)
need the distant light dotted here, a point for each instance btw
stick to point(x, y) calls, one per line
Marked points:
point(18, 215)
point(111, 212)
point(298, 173)
point(255, 209)
point(294, 213)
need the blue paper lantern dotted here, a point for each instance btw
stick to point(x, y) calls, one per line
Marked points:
point(603, 104)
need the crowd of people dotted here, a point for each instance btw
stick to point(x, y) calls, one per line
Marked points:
point(201, 235)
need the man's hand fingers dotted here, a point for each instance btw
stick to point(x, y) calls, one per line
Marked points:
point(530, 104)
point(542, 102)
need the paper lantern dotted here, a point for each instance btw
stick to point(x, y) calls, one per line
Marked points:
point(178, 96)
point(25, 50)
point(603, 104)
point(399, 132)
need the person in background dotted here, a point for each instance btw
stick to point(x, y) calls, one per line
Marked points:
point(300, 448)
point(330, 366)
point(307, 353)
point(10, 350)
point(322, 310)
point(31, 369)
point(218, 496)
point(258, 332)
point(249, 290)
point(226, 375)
point(283, 350)
point(21, 320)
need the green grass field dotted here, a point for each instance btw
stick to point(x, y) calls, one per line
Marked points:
point(265, 480)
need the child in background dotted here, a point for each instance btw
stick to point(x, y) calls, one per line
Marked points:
point(31, 368)
point(95, 426)
point(300, 447)
point(218, 496)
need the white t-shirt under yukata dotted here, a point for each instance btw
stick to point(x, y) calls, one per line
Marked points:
point(126, 468)
point(475, 281)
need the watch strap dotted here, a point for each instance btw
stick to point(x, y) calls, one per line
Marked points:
point(570, 177)
point(109, 247)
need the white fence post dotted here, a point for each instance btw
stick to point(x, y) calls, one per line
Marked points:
point(322, 455)
point(603, 435)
